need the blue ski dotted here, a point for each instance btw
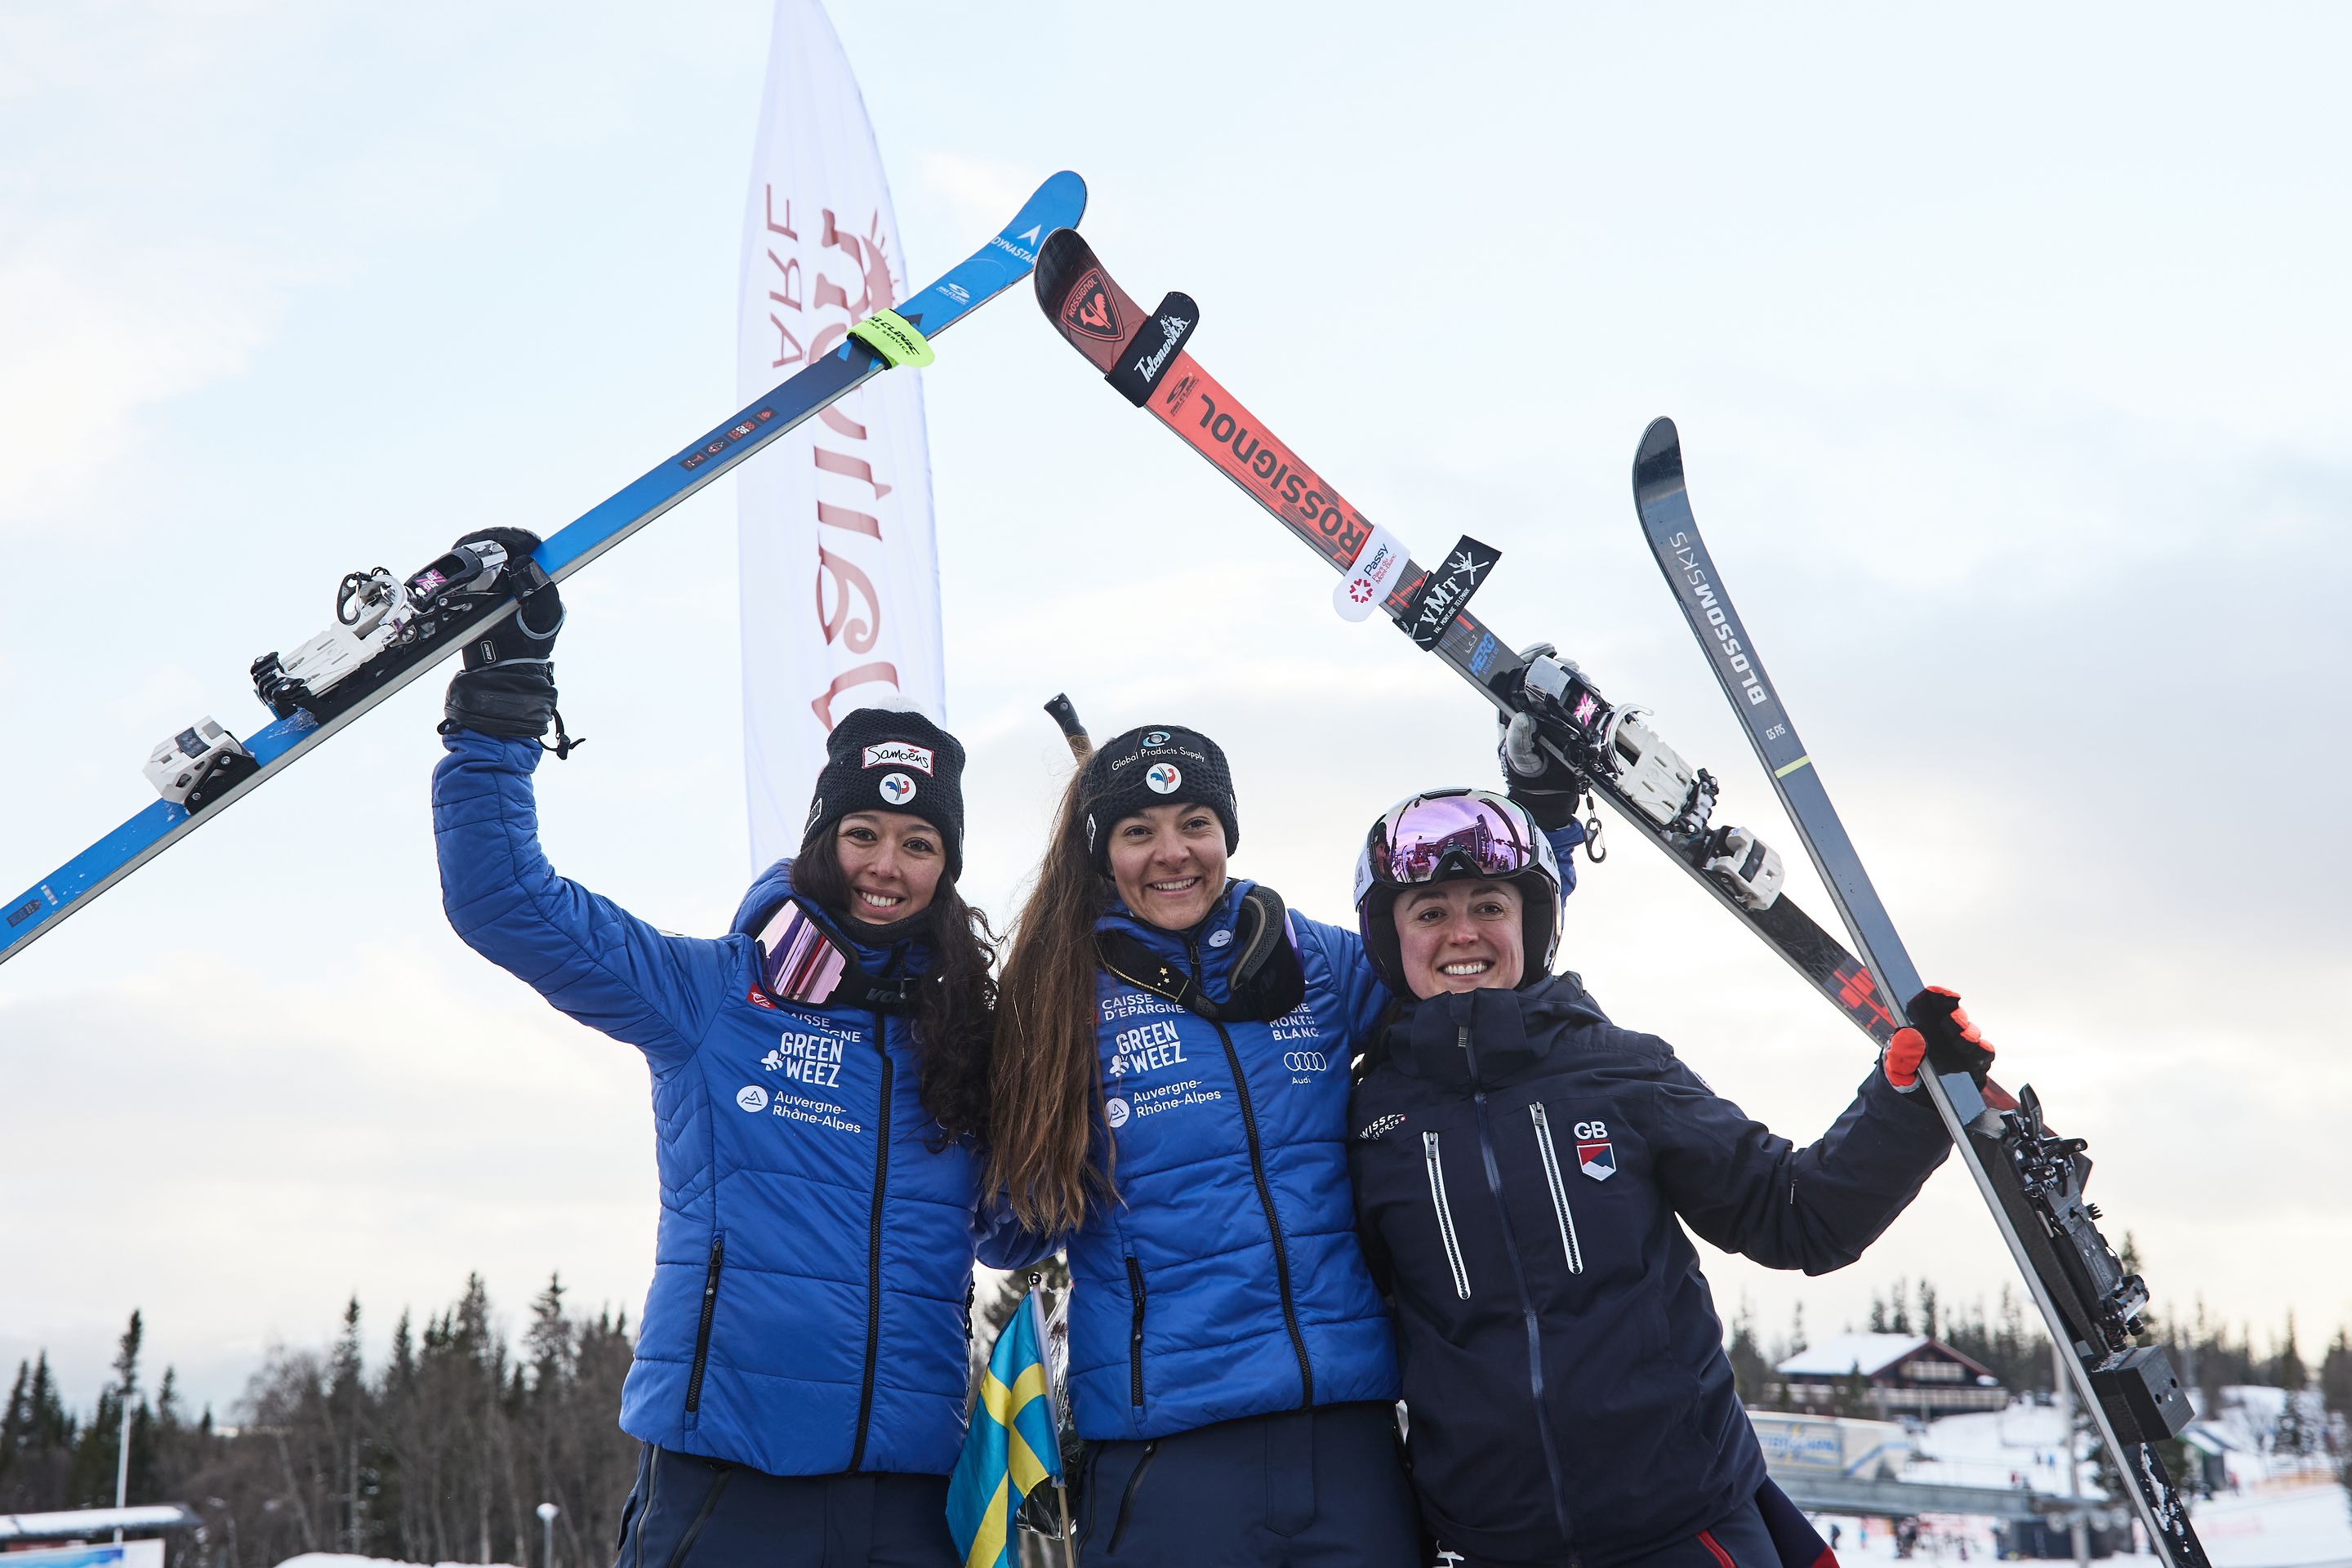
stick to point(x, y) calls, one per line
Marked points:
point(213, 768)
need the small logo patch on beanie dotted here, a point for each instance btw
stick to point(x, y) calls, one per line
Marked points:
point(1163, 778)
point(897, 788)
point(1155, 738)
point(899, 753)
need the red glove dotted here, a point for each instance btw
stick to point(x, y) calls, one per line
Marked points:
point(1941, 1035)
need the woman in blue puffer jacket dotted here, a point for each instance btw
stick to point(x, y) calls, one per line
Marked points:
point(1171, 1098)
point(819, 1078)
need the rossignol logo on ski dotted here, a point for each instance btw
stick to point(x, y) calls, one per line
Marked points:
point(1289, 485)
point(1089, 308)
point(1727, 644)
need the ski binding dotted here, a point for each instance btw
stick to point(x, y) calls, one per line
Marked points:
point(195, 767)
point(382, 621)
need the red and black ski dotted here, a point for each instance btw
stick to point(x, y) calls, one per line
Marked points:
point(2032, 1178)
point(1103, 322)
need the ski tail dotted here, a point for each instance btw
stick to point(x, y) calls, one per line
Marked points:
point(2031, 1178)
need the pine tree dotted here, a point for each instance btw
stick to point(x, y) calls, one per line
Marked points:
point(2286, 1369)
point(2335, 1375)
point(1750, 1371)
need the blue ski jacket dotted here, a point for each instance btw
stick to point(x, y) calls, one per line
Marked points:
point(813, 1268)
point(1227, 1279)
point(1520, 1163)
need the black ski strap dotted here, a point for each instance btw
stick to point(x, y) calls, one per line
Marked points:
point(1267, 979)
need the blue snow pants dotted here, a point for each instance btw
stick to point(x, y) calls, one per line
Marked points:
point(1322, 1487)
point(690, 1512)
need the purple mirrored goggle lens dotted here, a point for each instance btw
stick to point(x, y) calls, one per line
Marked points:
point(1417, 841)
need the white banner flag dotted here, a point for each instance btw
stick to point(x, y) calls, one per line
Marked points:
point(840, 580)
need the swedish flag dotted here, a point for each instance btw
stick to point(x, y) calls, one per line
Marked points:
point(1010, 1447)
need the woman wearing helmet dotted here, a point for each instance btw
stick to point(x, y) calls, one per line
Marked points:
point(1519, 1165)
point(819, 1078)
point(1171, 1096)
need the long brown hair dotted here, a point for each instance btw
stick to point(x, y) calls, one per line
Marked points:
point(955, 1004)
point(1045, 1104)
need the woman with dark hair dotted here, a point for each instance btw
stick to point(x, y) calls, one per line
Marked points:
point(1524, 1170)
point(1170, 1099)
point(820, 1083)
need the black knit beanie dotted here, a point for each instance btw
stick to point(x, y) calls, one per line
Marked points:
point(888, 759)
point(1158, 764)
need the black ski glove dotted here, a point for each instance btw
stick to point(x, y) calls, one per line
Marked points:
point(508, 686)
point(528, 635)
point(1941, 1034)
point(1548, 788)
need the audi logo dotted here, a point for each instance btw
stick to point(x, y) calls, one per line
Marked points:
point(1306, 1061)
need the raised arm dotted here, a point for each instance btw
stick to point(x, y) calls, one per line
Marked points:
point(588, 956)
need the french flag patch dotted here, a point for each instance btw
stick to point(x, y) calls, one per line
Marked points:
point(1596, 1159)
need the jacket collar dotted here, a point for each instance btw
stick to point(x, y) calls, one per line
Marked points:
point(1212, 939)
point(1507, 1032)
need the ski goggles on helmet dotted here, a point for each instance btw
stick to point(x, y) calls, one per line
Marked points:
point(1452, 833)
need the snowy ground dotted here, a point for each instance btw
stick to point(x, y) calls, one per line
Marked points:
point(2273, 1521)
point(2300, 1524)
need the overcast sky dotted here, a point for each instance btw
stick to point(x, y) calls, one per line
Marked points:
point(2008, 346)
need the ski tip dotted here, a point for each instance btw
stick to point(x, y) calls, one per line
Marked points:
point(1063, 256)
point(1059, 201)
point(1658, 461)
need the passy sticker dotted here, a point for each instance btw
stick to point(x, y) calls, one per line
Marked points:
point(1366, 583)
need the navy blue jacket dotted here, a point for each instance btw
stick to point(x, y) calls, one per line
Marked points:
point(814, 1262)
point(1228, 1281)
point(1520, 1164)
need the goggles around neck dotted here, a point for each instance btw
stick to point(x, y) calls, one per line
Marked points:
point(806, 963)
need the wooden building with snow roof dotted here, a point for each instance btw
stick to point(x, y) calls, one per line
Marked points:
point(1887, 1376)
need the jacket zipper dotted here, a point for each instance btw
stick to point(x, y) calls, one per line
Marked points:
point(1558, 1188)
point(702, 1329)
point(1265, 1194)
point(1444, 1217)
point(1526, 1297)
point(1134, 1330)
point(874, 1247)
